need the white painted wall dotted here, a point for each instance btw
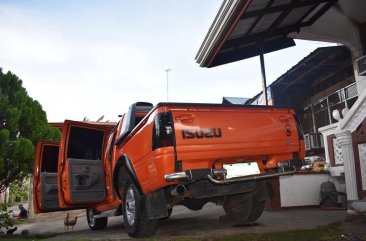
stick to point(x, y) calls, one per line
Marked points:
point(301, 190)
point(340, 24)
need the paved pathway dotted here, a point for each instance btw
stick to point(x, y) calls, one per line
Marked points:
point(184, 222)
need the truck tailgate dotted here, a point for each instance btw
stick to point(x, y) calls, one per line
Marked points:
point(209, 133)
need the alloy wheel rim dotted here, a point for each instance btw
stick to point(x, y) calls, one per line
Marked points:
point(130, 206)
point(91, 218)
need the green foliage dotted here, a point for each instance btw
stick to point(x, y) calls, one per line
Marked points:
point(22, 124)
point(19, 192)
point(6, 217)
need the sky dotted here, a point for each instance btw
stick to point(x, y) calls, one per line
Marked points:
point(88, 58)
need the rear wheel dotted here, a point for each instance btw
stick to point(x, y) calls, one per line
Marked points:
point(137, 226)
point(243, 208)
point(93, 222)
point(169, 213)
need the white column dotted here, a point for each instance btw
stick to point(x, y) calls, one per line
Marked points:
point(326, 150)
point(344, 139)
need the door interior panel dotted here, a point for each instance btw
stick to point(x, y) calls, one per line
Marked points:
point(87, 181)
point(82, 159)
point(49, 188)
point(48, 177)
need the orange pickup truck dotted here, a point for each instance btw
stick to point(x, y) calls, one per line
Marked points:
point(170, 154)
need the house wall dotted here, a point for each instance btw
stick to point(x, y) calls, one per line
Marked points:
point(359, 147)
point(350, 31)
point(361, 50)
point(350, 19)
point(302, 190)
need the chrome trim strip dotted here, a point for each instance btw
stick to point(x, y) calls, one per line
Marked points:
point(250, 178)
point(178, 176)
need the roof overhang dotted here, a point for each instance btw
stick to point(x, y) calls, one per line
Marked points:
point(243, 27)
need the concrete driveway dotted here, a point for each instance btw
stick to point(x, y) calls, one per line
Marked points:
point(184, 222)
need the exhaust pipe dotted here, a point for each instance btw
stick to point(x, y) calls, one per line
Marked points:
point(180, 191)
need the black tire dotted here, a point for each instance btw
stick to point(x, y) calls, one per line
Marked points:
point(257, 210)
point(95, 223)
point(243, 209)
point(136, 225)
point(169, 213)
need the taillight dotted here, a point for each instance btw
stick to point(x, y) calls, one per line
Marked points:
point(299, 128)
point(163, 131)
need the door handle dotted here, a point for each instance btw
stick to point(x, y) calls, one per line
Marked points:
point(187, 118)
point(87, 169)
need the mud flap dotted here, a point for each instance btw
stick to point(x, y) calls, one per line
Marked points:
point(155, 205)
point(269, 191)
point(264, 191)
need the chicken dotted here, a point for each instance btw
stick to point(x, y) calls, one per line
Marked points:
point(66, 222)
point(70, 222)
point(73, 222)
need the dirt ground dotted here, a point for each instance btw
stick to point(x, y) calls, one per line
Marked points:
point(208, 222)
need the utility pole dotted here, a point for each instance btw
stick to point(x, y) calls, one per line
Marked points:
point(167, 84)
point(263, 71)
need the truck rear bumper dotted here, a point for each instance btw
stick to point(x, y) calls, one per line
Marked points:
point(251, 178)
point(210, 183)
point(212, 174)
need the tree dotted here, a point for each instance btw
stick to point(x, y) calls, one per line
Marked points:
point(22, 124)
point(19, 191)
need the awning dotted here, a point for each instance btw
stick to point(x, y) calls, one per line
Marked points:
point(241, 27)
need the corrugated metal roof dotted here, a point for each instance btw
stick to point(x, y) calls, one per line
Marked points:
point(241, 27)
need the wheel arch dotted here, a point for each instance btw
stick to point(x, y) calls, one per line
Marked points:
point(124, 164)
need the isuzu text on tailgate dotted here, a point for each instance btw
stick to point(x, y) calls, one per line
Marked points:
point(172, 154)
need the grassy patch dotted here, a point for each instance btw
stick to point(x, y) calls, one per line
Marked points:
point(330, 232)
point(17, 237)
point(83, 239)
point(20, 222)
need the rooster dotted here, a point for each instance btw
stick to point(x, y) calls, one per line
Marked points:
point(66, 222)
point(73, 222)
point(70, 222)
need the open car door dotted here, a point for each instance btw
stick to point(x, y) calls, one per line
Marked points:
point(81, 172)
point(45, 188)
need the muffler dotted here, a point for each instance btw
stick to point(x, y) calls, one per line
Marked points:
point(180, 191)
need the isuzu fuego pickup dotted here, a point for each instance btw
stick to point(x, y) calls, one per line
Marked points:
point(170, 154)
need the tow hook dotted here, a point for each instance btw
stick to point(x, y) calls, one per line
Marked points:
point(282, 165)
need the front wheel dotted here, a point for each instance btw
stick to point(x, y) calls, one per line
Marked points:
point(137, 226)
point(93, 222)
